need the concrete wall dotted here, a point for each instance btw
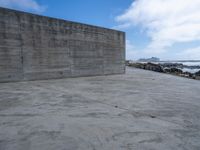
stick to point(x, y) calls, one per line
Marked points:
point(36, 47)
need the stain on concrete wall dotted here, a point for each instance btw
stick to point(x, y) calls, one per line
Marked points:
point(35, 47)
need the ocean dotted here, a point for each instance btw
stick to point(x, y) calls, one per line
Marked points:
point(188, 63)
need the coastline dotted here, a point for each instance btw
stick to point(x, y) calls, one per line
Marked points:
point(175, 68)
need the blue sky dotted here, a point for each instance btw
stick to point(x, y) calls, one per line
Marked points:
point(166, 29)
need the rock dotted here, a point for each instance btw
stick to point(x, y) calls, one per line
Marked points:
point(153, 67)
point(167, 70)
point(170, 68)
point(188, 74)
point(197, 73)
point(175, 70)
point(191, 67)
point(137, 65)
point(147, 66)
point(171, 65)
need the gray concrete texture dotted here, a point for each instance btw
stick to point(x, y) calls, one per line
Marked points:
point(139, 110)
point(36, 47)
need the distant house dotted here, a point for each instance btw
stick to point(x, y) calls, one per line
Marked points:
point(152, 59)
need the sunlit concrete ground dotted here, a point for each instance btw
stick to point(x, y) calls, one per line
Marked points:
point(140, 110)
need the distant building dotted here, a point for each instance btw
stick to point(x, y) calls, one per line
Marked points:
point(152, 59)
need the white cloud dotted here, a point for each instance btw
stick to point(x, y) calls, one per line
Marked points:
point(189, 54)
point(31, 5)
point(131, 51)
point(166, 22)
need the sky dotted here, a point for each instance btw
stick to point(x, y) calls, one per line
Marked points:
point(168, 29)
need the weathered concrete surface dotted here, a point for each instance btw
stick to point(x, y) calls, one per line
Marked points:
point(140, 110)
point(36, 47)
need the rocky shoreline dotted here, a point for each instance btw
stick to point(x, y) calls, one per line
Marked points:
point(169, 68)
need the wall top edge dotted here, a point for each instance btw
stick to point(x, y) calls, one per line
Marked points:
point(57, 19)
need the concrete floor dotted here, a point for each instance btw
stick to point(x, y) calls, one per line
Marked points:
point(140, 110)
